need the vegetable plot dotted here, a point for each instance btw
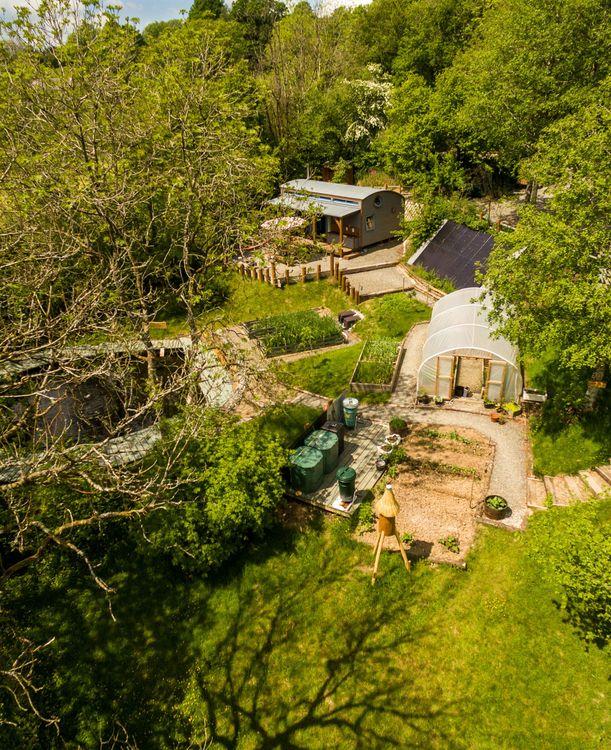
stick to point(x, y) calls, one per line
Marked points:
point(295, 332)
point(377, 363)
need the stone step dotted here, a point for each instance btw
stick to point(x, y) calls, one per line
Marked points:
point(605, 472)
point(596, 483)
point(579, 490)
point(562, 492)
point(537, 494)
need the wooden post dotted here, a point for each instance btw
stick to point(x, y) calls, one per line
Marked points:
point(287, 276)
point(332, 264)
point(318, 272)
point(273, 272)
point(347, 286)
point(314, 228)
point(260, 274)
point(341, 232)
point(303, 274)
point(242, 270)
point(253, 273)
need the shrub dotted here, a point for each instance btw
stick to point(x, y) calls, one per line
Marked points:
point(572, 546)
point(229, 479)
point(396, 423)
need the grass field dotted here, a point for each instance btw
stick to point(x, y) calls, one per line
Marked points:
point(251, 300)
point(291, 647)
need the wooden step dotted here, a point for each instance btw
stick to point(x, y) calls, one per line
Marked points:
point(537, 494)
point(548, 483)
point(562, 492)
point(579, 490)
point(605, 472)
point(596, 483)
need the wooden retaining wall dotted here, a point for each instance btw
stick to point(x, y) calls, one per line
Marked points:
point(358, 387)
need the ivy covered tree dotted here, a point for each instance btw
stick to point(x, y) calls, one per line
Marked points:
point(210, 8)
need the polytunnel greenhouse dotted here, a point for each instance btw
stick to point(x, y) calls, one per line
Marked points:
point(461, 352)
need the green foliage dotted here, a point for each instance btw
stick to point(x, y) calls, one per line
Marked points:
point(451, 543)
point(397, 424)
point(377, 362)
point(433, 278)
point(573, 549)
point(295, 332)
point(496, 502)
point(549, 277)
point(206, 8)
point(407, 538)
point(230, 483)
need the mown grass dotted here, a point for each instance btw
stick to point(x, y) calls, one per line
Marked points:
point(251, 300)
point(292, 647)
point(390, 317)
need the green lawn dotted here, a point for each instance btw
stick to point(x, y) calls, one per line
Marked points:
point(251, 300)
point(291, 647)
point(391, 316)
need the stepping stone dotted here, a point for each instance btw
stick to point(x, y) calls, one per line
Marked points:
point(577, 487)
point(537, 494)
point(562, 492)
point(605, 472)
point(596, 483)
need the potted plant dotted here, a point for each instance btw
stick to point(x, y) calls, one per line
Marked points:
point(423, 397)
point(438, 400)
point(512, 409)
point(495, 507)
point(488, 404)
point(398, 426)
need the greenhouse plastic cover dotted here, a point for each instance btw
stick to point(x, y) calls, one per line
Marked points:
point(460, 327)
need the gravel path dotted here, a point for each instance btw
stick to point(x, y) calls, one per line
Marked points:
point(380, 254)
point(388, 280)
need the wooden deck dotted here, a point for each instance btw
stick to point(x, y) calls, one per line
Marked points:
point(360, 452)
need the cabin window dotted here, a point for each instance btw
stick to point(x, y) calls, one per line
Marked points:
point(377, 201)
point(369, 223)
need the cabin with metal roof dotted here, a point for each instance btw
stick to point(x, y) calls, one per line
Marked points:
point(455, 252)
point(353, 216)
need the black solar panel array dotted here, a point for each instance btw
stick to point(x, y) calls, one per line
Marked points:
point(455, 253)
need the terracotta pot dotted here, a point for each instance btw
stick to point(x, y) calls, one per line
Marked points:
point(495, 416)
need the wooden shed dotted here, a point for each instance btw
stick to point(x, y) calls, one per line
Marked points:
point(353, 216)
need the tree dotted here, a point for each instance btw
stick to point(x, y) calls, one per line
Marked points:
point(257, 18)
point(211, 8)
point(130, 173)
point(550, 278)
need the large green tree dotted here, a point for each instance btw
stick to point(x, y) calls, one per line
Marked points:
point(550, 278)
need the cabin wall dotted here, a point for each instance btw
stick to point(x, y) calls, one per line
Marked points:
point(386, 217)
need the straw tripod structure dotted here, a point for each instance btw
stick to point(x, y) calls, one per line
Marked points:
point(386, 508)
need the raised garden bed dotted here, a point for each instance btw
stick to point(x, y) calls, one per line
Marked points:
point(377, 369)
point(295, 332)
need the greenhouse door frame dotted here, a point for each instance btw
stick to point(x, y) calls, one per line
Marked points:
point(444, 375)
point(498, 368)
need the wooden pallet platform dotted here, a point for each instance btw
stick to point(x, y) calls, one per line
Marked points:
point(360, 452)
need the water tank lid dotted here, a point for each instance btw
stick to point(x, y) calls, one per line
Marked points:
point(306, 457)
point(350, 403)
point(322, 439)
point(345, 474)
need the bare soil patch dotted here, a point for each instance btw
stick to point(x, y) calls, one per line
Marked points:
point(439, 488)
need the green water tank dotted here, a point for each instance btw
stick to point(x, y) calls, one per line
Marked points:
point(350, 406)
point(328, 444)
point(346, 479)
point(307, 469)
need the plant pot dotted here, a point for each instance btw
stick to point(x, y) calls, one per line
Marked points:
point(489, 406)
point(402, 432)
point(495, 416)
point(424, 399)
point(496, 514)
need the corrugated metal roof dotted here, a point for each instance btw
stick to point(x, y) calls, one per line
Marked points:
point(455, 252)
point(326, 207)
point(334, 189)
